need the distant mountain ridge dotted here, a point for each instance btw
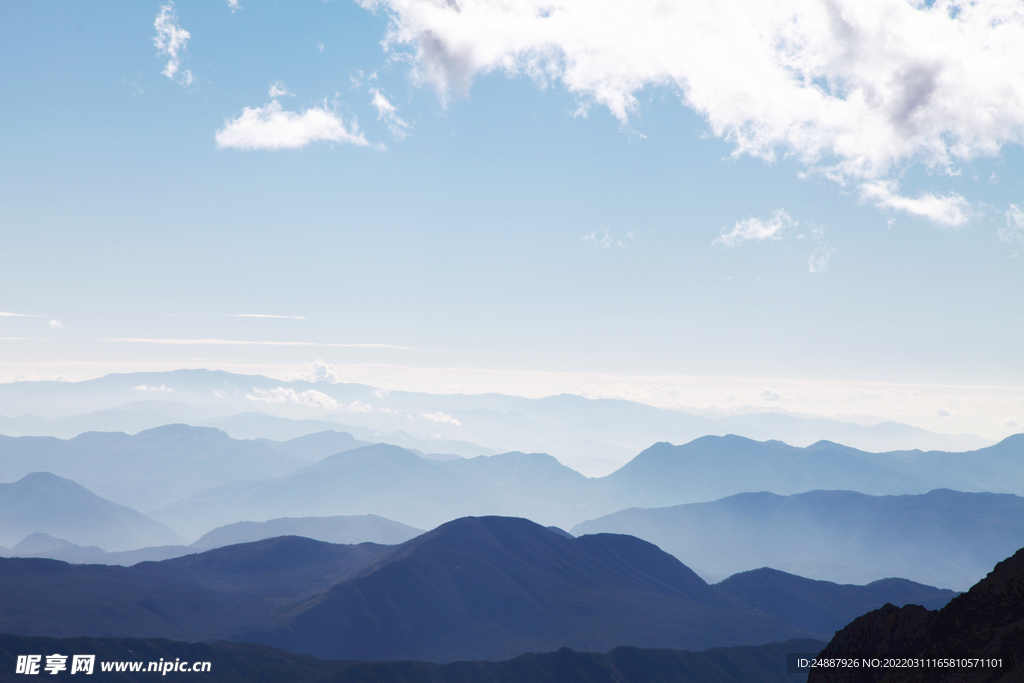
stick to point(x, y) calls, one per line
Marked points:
point(338, 530)
point(45, 503)
point(945, 538)
point(591, 434)
point(396, 484)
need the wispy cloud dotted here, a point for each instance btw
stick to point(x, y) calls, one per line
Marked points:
point(439, 417)
point(389, 114)
point(271, 127)
point(757, 230)
point(853, 89)
point(56, 325)
point(239, 342)
point(265, 315)
point(277, 89)
point(311, 398)
point(4, 314)
point(951, 209)
point(233, 4)
point(1013, 234)
point(145, 388)
point(171, 40)
point(317, 371)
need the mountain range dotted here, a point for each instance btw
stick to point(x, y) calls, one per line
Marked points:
point(475, 588)
point(395, 483)
point(594, 435)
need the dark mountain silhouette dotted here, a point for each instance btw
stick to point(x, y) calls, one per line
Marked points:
point(987, 621)
point(823, 606)
point(45, 503)
point(482, 588)
point(471, 589)
point(244, 663)
point(340, 529)
point(945, 538)
point(196, 597)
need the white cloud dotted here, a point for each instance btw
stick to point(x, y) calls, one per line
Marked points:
point(171, 40)
point(769, 395)
point(271, 127)
point(1013, 234)
point(317, 371)
point(233, 4)
point(388, 113)
point(311, 398)
point(438, 416)
point(145, 388)
point(320, 47)
point(358, 407)
point(56, 325)
point(854, 89)
point(951, 209)
point(17, 315)
point(277, 89)
point(756, 229)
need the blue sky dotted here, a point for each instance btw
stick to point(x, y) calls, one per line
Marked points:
point(592, 208)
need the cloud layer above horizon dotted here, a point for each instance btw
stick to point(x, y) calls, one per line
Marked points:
point(856, 91)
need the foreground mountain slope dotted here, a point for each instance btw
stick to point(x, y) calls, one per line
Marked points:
point(986, 622)
point(945, 538)
point(244, 662)
point(41, 502)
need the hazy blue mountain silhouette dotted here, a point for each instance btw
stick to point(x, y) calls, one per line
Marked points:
point(244, 663)
point(153, 467)
point(986, 621)
point(45, 503)
point(45, 545)
point(397, 484)
point(713, 467)
point(340, 529)
point(570, 427)
point(945, 538)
